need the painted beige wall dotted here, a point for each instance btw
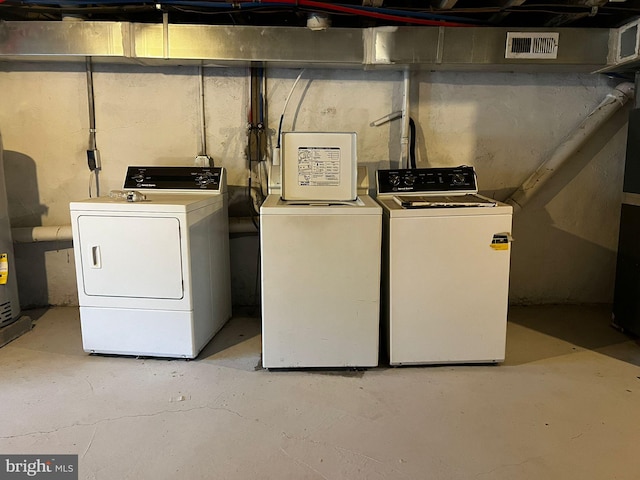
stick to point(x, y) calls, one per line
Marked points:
point(503, 124)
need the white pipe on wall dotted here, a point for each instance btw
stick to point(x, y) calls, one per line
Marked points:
point(58, 233)
point(62, 233)
point(570, 145)
point(404, 138)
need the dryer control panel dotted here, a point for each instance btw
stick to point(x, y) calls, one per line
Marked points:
point(454, 180)
point(174, 178)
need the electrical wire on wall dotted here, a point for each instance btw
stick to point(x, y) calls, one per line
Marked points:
point(202, 159)
point(263, 171)
point(260, 130)
point(254, 141)
point(93, 156)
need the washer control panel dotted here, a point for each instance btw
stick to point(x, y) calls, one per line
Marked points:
point(457, 180)
point(174, 178)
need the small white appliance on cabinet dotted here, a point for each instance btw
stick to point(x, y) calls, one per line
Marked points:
point(446, 255)
point(320, 259)
point(153, 275)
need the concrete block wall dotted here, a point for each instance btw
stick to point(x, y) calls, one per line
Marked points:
point(505, 124)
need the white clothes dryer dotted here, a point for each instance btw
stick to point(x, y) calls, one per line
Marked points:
point(446, 255)
point(153, 275)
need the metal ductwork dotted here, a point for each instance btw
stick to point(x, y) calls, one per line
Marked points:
point(624, 49)
point(430, 48)
point(446, 48)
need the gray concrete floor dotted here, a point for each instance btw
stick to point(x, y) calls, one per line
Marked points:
point(564, 405)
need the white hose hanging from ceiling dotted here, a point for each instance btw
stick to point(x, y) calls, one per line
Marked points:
point(570, 145)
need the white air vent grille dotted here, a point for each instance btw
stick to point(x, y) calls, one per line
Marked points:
point(532, 45)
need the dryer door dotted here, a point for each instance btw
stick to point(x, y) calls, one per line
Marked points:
point(138, 257)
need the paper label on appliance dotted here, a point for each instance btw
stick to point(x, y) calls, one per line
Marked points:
point(318, 166)
point(500, 241)
point(4, 268)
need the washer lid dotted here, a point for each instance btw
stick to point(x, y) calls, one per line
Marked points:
point(444, 201)
point(363, 205)
point(393, 209)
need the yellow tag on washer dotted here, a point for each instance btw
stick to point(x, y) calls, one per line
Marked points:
point(500, 241)
point(4, 268)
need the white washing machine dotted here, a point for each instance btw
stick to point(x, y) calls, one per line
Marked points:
point(320, 280)
point(153, 274)
point(446, 255)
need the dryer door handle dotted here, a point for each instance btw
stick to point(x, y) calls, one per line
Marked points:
point(96, 257)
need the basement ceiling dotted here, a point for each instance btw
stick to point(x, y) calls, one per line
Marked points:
point(346, 13)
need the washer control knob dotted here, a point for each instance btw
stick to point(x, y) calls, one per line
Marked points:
point(139, 178)
point(394, 180)
point(457, 179)
point(409, 180)
point(204, 179)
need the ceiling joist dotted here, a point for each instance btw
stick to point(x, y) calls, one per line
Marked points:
point(590, 11)
point(446, 4)
point(498, 17)
point(344, 14)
